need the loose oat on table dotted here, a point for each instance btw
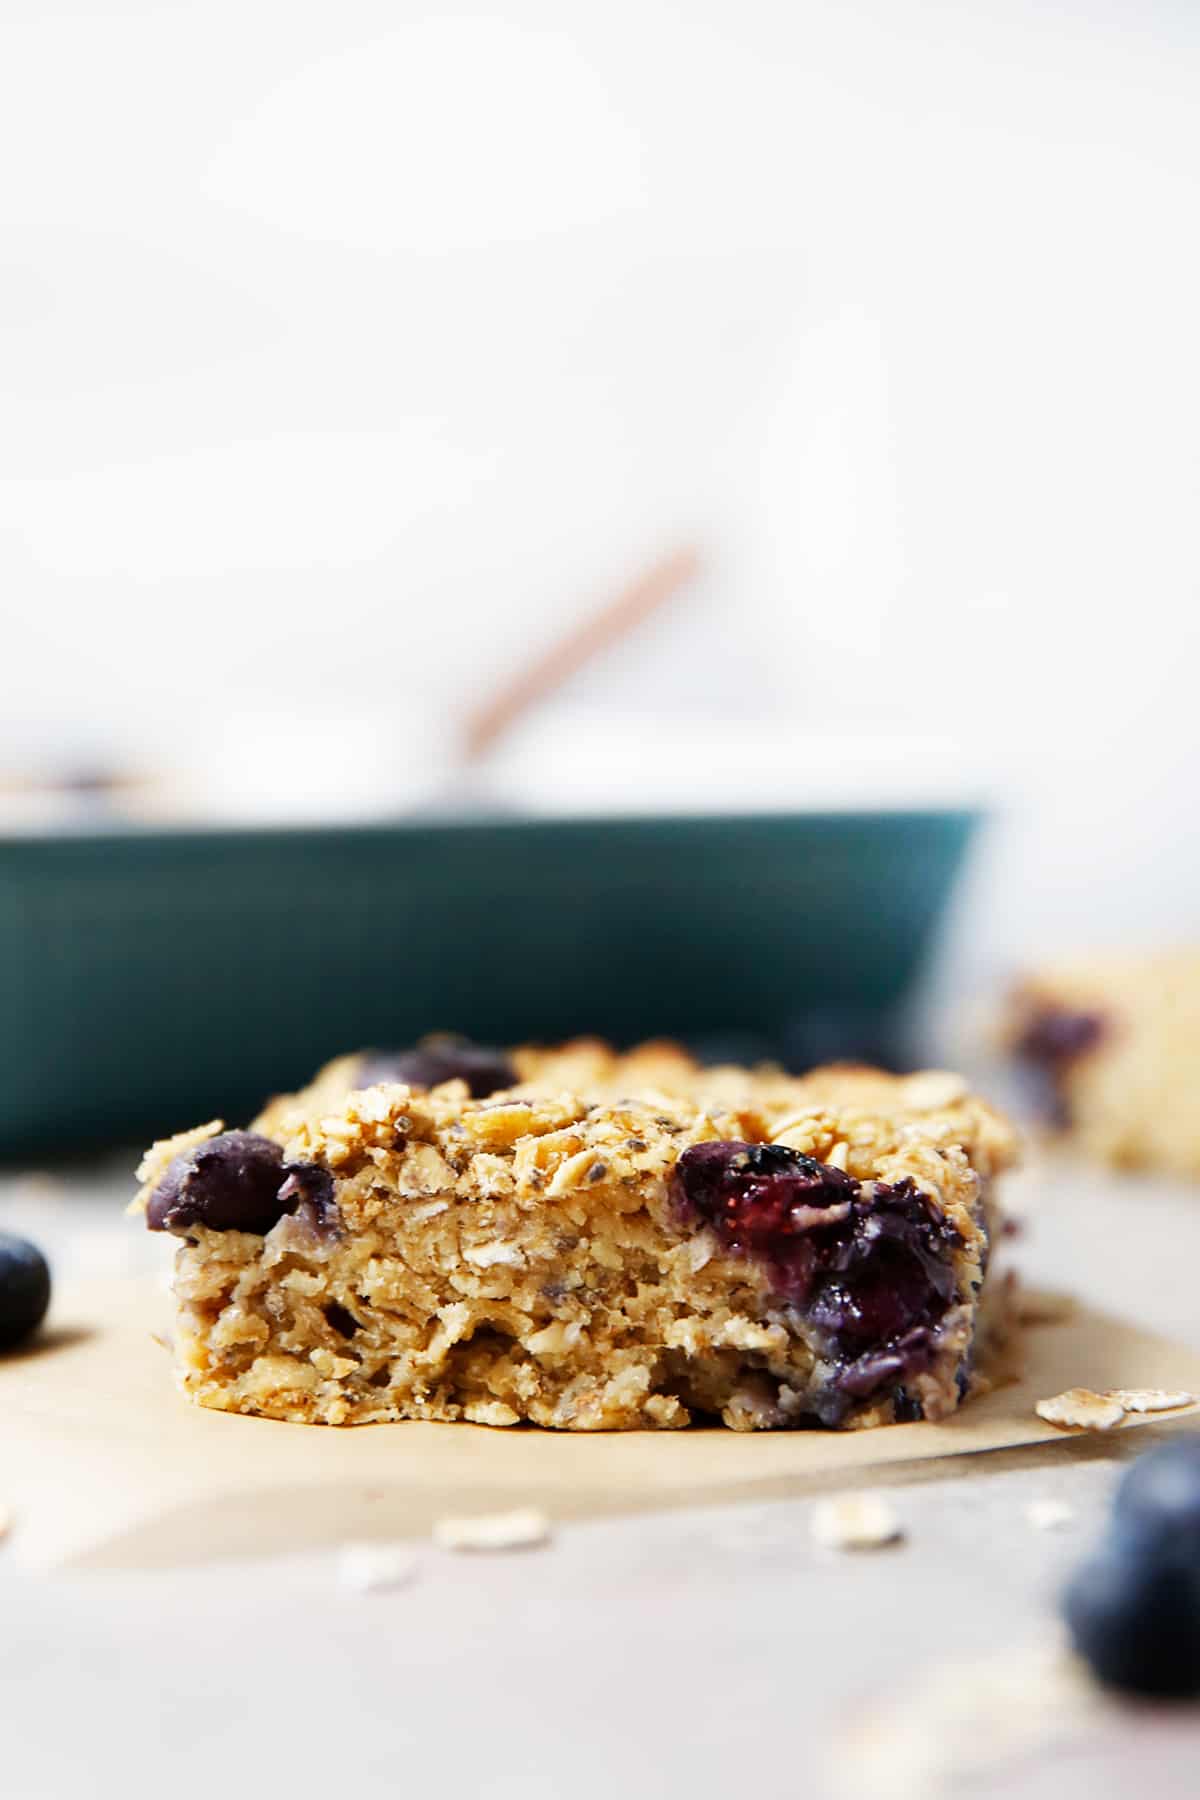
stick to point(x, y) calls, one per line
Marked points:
point(614, 1241)
point(522, 1529)
point(1049, 1514)
point(855, 1522)
point(370, 1568)
point(1081, 1409)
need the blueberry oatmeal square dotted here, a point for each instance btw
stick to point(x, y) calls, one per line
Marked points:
point(1114, 1044)
point(599, 1241)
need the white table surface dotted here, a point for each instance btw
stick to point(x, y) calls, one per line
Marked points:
point(700, 1653)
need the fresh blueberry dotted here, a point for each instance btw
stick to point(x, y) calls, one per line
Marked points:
point(24, 1289)
point(1156, 1510)
point(1136, 1620)
point(427, 1065)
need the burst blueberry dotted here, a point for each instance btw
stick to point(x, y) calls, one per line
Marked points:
point(868, 1263)
point(763, 1197)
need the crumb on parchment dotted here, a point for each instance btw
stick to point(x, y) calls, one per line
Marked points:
point(1151, 1400)
point(1081, 1409)
point(1084, 1409)
point(521, 1529)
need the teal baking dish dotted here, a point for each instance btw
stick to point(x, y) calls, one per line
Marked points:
point(152, 979)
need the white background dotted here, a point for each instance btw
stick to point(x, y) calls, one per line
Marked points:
point(349, 350)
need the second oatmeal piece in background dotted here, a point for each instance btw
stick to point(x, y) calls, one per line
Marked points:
point(1115, 1044)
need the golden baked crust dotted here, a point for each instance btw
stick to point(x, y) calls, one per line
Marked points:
point(526, 1256)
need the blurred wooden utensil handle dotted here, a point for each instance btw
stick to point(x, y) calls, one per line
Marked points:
point(613, 621)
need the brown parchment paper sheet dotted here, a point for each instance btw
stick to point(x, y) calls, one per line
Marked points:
point(103, 1463)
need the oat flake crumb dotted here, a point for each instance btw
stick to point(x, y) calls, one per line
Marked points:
point(1049, 1515)
point(518, 1530)
point(1081, 1408)
point(855, 1522)
point(1150, 1400)
point(366, 1568)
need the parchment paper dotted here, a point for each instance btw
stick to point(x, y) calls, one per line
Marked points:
point(103, 1463)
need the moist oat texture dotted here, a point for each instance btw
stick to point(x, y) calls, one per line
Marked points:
point(1117, 1041)
point(533, 1255)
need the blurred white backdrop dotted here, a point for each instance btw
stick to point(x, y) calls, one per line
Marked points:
point(348, 349)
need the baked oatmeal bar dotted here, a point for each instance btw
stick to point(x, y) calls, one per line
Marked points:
point(585, 1240)
point(1115, 1044)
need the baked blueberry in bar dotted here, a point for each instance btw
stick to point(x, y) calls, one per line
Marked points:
point(603, 1241)
point(1115, 1045)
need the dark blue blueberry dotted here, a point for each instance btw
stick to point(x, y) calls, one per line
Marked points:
point(1156, 1510)
point(238, 1182)
point(24, 1289)
point(427, 1065)
point(881, 1287)
point(1136, 1621)
point(228, 1183)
